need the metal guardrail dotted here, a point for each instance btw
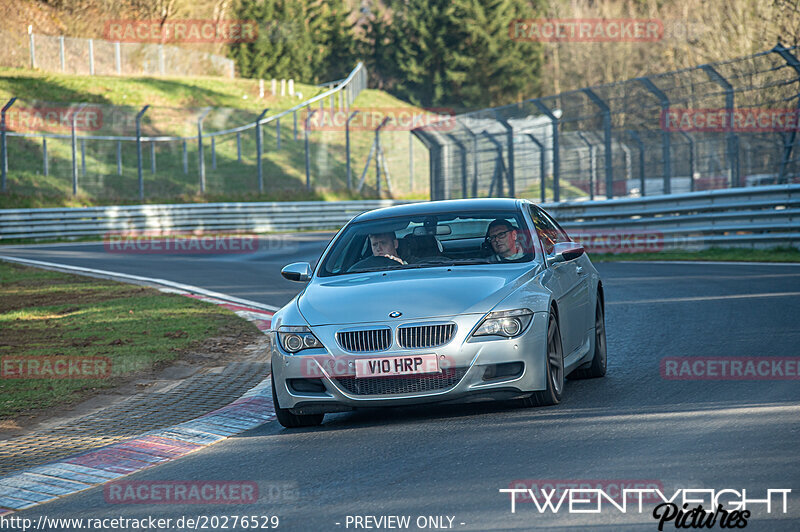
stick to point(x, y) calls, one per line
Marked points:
point(748, 216)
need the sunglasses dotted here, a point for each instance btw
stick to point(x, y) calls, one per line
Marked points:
point(495, 236)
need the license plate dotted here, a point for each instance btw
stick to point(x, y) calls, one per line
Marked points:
point(389, 366)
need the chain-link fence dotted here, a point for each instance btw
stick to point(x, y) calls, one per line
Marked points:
point(73, 55)
point(720, 125)
point(118, 153)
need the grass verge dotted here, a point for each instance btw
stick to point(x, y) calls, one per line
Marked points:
point(135, 329)
point(777, 254)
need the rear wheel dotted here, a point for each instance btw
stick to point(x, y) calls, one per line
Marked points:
point(597, 367)
point(554, 369)
point(292, 421)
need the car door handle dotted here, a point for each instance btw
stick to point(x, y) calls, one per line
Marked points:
point(580, 271)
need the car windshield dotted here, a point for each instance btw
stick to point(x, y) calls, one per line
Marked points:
point(431, 240)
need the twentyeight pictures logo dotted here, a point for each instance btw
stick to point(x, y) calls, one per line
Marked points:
point(181, 31)
point(586, 30)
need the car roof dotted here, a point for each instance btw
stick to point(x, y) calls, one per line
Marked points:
point(435, 207)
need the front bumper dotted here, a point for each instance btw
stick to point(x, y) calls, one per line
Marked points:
point(466, 357)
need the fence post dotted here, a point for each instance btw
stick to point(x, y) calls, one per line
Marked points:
point(259, 150)
point(83, 157)
point(556, 159)
point(308, 161)
point(61, 53)
point(542, 165)
point(239, 146)
point(152, 157)
point(732, 138)
point(510, 149)
point(119, 157)
point(635, 137)
point(200, 159)
point(32, 46)
point(118, 58)
point(44, 157)
point(347, 148)
point(294, 114)
point(690, 140)
point(3, 140)
point(214, 153)
point(185, 158)
point(139, 116)
point(91, 57)
point(463, 151)
point(792, 61)
point(665, 139)
point(607, 139)
point(592, 165)
point(278, 133)
point(75, 151)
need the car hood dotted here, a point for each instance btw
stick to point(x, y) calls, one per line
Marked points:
point(423, 293)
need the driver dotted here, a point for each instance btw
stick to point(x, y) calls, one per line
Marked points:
point(385, 245)
point(502, 236)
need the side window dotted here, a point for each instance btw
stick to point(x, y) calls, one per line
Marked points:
point(548, 230)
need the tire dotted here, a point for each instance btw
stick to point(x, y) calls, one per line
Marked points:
point(293, 421)
point(554, 369)
point(597, 367)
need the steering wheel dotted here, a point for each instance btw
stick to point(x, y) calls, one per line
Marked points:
point(373, 262)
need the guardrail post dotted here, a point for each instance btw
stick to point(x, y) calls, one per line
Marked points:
point(45, 165)
point(510, 149)
point(690, 140)
point(259, 150)
point(542, 165)
point(139, 116)
point(665, 139)
point(732, 138)
point(119, 157)
point(200, 159)
point(556, 159)
point(640, 144)
point(592, 164)
point(347, 148)
point(3, 140)
point(793, 62)
point(75, 150)
point(308, 160)
point(607, 139)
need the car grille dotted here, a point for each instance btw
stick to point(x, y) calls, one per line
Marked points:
point(403, 383)
point(424, 336)
point(365, 341)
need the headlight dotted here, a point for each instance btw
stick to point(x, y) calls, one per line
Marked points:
point(507, 323)
point(295, 339)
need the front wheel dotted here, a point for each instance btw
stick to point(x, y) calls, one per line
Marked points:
point(554, 369)
point(293, 421)
point(597, 367)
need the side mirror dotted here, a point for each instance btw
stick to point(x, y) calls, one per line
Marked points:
point(297, 271)
point(565, 251)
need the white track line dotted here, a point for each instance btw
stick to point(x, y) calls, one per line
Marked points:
point(124, 277)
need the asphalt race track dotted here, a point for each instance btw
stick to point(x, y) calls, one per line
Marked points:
point(634, 427)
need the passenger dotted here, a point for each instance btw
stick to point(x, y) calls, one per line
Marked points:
point(503, 237)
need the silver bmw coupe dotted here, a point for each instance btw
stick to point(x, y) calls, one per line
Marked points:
point(438, 301)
